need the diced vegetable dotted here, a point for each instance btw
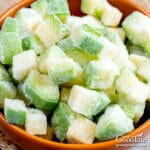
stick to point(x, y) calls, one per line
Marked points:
point(113, 123)
point(74, 52)
point(28, 20)
point(40, 91)
point(62, 118)
point(81, 131)
point(10, 45)
point(101, 74)
point(51, 54)
point(136, 26)
point(10, 25)
point(59, 8)
point(51, 30)
point(86, 39)
point(130, 90)
point(102, 10)
point(21, 70)
point(7, 89)
point(33, 42)
point(62, 71)
point(15, 111)
point(87, 102)
point(36, 122)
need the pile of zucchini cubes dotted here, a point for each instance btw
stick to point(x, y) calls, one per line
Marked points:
point(77, 79)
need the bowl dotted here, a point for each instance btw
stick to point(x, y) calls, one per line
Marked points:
point(29, 142)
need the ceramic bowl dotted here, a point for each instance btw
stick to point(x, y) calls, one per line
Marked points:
point(29, 142)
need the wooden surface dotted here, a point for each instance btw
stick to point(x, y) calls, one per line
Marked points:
point(6, 143)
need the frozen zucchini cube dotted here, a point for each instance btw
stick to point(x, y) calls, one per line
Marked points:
point(136, 26)
point(128, 109)
point(119, 31)
point(64, 94)
point(10, 45)
point(113, 123)
point(53, 53)
point(111, 16)
point(93, 7)
point(41, 6)
point(7, 89)
point(10, 25)
point(62, 70)
point(51, 30)
point(33, 42)
point(74, 52)
point(36, 122)
point(131, 88)
point(21, 70)
point(4, 76)
point(87, 40)
point(117, 54)
point(28, 20)
point(62, 118)
point(101, 9)
point(40, 91)
point(15, 111)
point(59, 8)
point(144, 70)
point(79, 79)
point(87, 102)
point(101, 74)
point(137, 59)
point(81, 131)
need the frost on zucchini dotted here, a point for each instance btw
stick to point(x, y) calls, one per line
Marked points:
point(87, 102)
point(51, 30)
point(40, 91)
point(101, 9)
point(21, 70)
point(81, 131)
point(128, 87)
point(36, 122)
point(10, 45)
point(137, 30)
point(62, 118)
point(10, 25)
point(28, 20)
point(15, 111)
point(33, 42)
point(86, 38)
point(113, 123)
point(74, 52)
point(100, 74)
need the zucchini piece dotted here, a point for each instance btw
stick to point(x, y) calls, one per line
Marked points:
point(64, 95)
point(21, 70)
point(51, 30)
point(113, 123)
point(86, 38)
point(10, 45)
point(101, 74)
point(137, 30)
point(10, 25)
point(15, 111)
point(62, 118)
point(36, 122)
point(128, 87)
point(81, 131)
point(40, 91)
point(87, 102)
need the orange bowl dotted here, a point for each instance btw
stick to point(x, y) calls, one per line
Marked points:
point(29, 142)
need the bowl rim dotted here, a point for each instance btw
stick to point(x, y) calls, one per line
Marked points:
point(11, 12)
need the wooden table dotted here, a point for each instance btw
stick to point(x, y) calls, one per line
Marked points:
point(6, 143)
